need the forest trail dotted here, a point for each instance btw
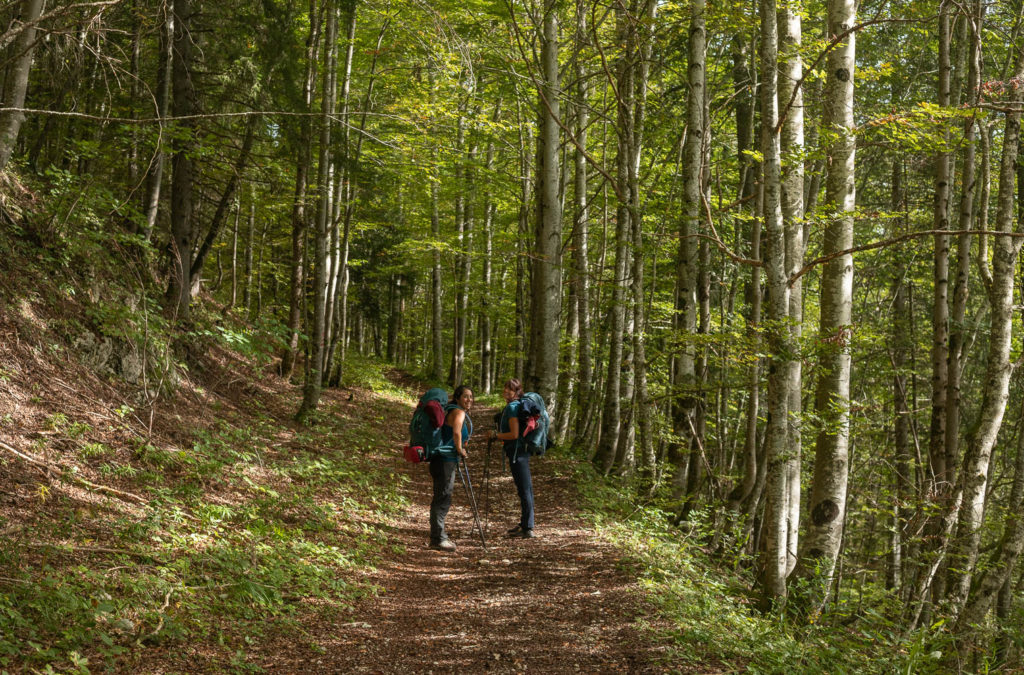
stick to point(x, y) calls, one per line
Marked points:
point(555, 604)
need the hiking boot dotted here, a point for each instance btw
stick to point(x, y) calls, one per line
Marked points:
point(443, 545)
point(520, 532)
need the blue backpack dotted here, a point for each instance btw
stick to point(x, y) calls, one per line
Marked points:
point(425, 426)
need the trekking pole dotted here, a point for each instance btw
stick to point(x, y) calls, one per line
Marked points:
point(468, 484)
point(487, 485)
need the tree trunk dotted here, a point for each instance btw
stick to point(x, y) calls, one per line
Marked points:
point(743, 88)
point(824, 534)
point(462, 284)
point(16, 82)
point(792, 200)
point(314, 372)
point(999, 286)
point(642, 401)
point(526, 188)
point(298, 217)
point(580, 237)
point(611, 418)
point(250, 245)
point(155, 174)
point(686, 398)
point(775, 557)
point(900, 337)
point(348, 195)
point(486, 346)
point(234, 255)
point(178, 294)
point(436, 327)
point(546, 276)
point(940, 306)
point(226, 199)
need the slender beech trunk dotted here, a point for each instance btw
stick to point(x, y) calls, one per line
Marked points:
point(997, 574)
point(775, 556)
point(234, 255)
point(611, 417)
point(580, 237)
point(686, 399)
point(999, 285)
point(546, 276)
point(155, 174)
point(16, 82)
point(486, 346)
point(466, 260)
point(642, 401)
point(792, 199)
point(435, 287)
point(526, 189)
point(957, 331)
point(462, 284)
point(250, 245)
point(314, 372)
point(900, 337)
point(178, 294)
point(940, 306)
point(298, 217)
point(824, 535)
point(743, 88)
point(351, 159)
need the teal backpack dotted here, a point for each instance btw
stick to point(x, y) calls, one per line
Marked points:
point(425, 426)
point(534, 423)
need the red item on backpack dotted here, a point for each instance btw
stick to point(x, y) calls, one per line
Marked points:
point(435, 412)
point(413, 453)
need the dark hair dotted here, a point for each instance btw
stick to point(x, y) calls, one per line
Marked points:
point(515, 385)
point(459, 391)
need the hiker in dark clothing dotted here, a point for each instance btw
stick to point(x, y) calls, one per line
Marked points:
point(454, 434)
point(518, 457)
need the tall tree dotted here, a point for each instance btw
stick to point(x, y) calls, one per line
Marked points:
point(179, 293)
point(685, 375)
point(16, 81)
point(546, 276)
point(775, 565)
point(823, 538)
point(999, 287)
point(318, 330)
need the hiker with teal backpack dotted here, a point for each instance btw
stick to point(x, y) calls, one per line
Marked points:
point(508, 432)
point(455, 433)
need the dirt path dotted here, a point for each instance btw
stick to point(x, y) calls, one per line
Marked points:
point(554, 604)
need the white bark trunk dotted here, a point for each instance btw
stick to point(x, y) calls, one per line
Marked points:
point(831, 469)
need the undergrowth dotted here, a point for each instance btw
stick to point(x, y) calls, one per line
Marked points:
point(706, 611)
point(240, 537)
point(249, 527)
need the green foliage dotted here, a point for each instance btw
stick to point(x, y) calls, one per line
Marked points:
point(706, 600)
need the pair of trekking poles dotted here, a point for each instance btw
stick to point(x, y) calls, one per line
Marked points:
point(468, 484)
